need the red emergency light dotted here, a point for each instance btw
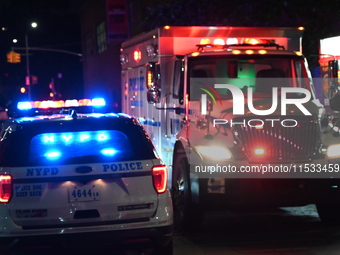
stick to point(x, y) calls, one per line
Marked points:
point(220, 43)
point(259, 151)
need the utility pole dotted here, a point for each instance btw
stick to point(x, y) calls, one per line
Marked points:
point(28, 74)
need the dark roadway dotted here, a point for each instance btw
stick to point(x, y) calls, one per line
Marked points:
point(283, 231)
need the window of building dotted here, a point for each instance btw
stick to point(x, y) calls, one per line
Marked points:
point(101, 37)
point(88, 44)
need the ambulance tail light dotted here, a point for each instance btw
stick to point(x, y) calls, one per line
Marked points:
point(5, 188)
point(160, 178)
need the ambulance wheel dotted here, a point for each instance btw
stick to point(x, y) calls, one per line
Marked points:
point(188, 216)
point(329, 213)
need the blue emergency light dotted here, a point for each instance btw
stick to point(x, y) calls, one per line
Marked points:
point(53, 154)
point(64, 145)
point(108, 152)
point(98, 102)
point(25, 105)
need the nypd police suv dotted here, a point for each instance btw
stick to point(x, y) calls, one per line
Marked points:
point(83, 173)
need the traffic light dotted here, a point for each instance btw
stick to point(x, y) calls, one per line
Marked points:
point(34, 79)
point(13, 57)
point(16, 57)
point(9, 57)
point(31, 80)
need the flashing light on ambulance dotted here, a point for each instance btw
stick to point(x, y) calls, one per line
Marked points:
point(225, 43)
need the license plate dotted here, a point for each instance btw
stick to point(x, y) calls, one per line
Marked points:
point(84, 193)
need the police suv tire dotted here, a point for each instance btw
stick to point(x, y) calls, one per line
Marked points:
point(9, 245)
point(329, 213)
point(188, 216)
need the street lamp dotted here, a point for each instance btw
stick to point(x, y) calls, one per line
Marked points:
point(28, 74)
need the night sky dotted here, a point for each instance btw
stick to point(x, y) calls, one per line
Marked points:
point(58, 28)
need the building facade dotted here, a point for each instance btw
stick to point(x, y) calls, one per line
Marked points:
point(104, 26)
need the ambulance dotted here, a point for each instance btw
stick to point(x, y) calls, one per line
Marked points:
point(234, 114)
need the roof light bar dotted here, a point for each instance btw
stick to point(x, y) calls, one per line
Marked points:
point(71, 103)
point(228, 42)
point(85, 102)
point(98, 102)
point(26, 105)
point(219, 41)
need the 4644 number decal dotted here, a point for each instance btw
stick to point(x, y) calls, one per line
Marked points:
point(84, 193)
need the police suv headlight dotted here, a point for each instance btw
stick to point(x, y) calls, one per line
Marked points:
point(214, 152)
point(333, 151)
